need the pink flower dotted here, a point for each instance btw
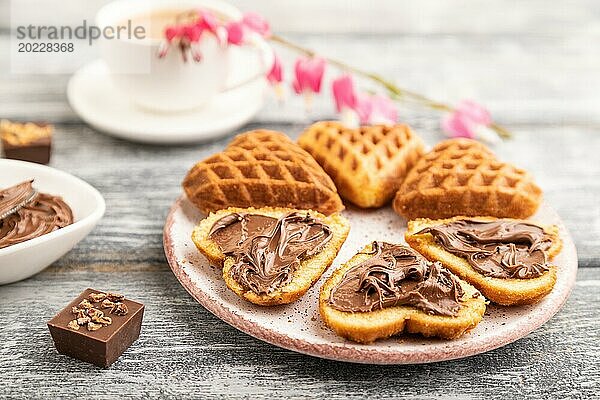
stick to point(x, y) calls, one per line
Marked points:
point(208, 21)
point(476, 112)
point(376, 109)
point(235, 32)
point(275, 75)
point(469, 119)
point(186, 36)
point(255, 22)
point(364, 108)
point(172, 32)
point(383, 110)
point(192, 32)
point(309, 75)
point(343, 93)
point(369, 109)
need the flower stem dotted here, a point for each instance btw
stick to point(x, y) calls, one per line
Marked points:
point(395, 92)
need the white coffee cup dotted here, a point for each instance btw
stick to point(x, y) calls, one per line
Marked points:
point(168, 84)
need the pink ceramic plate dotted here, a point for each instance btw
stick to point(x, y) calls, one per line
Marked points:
point(299, 327)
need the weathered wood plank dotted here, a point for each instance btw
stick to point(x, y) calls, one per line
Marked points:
point(535, 66)
point(185, 351)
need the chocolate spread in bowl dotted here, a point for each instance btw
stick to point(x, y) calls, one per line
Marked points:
point(41, 214)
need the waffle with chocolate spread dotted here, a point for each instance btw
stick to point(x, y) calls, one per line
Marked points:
point(261, 168)
point(269, 255)
point(387, 289)
point(367, 164)
point(463, 177)
point(508, 260)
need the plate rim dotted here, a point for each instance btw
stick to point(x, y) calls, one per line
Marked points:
point(340, 351)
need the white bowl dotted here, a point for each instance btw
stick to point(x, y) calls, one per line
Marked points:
point(25, 259)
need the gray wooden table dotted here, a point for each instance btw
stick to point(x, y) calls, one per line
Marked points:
point(534, 65)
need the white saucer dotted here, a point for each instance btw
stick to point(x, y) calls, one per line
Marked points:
point(94, 98)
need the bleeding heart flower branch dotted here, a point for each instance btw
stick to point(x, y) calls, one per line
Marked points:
point(467, 119)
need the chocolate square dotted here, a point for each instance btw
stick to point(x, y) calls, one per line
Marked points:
point(101, 347)
point(26, 141)
point(37, 151)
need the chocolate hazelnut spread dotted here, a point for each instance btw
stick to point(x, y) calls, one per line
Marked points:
point(35, 214)
point(15, 197)
point(499, 249)
point(397, 275)
point(268, 250)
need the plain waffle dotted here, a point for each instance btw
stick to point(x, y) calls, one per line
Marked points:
point(463, 177)
point(258, 169)
point(367, 164)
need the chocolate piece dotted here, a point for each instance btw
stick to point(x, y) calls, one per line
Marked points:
point(500, 248)
point(27, 142)
point(30, 214)
point(95, 332)
point(267, 250)
point(397, 275)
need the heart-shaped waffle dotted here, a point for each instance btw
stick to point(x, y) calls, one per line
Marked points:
point(258, 169)
point(367, 164)
point(463, 177)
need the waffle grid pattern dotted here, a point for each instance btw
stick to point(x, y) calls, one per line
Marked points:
point(463, 177)
point(261, 168)
point(367, 164)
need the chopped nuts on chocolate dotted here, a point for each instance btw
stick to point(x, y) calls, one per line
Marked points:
point(114, 297)
point(87, 313)
point(85, 304)
point(96, 297)
point(73, 325)
point(120, 310)
point(106, 303)
point(92, 326)
point(104, 320)
point(101, 336)
point(94, 313)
